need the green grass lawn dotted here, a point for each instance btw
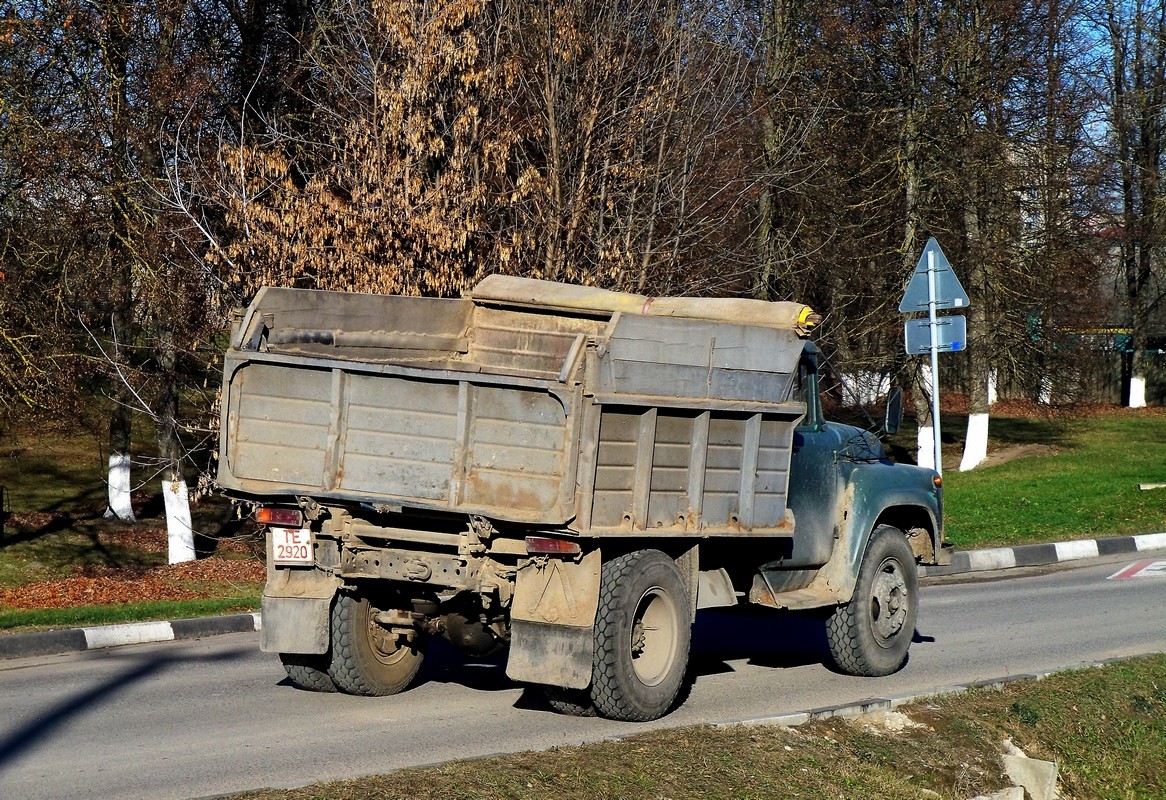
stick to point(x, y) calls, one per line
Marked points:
point(1082, 483)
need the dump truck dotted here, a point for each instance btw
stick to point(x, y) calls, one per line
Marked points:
point(563, 473)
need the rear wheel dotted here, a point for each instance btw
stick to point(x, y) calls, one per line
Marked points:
point(368, 658)
point(572, 702)
point(308, 671)
point(870, 635)
point(642, 637)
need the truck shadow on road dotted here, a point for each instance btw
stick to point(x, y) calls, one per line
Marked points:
point(756, 636)
point(718, 638)
point(762, 638)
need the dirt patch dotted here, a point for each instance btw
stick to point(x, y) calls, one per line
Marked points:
point(55, 560)
point(93, 591)
point(1008, 453)
point(36, 520)
point(155, 540)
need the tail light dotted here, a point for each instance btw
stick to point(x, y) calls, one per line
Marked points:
point(547, 546)
point(283, 517)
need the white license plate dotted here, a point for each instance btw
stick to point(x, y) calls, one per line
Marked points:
point(291, 545)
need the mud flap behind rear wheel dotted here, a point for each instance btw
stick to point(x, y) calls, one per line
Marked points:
point(555, 655)
point(552, 639)
point(296, 611)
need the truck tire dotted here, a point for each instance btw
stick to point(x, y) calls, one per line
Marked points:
point(870, 635)
point(366, 658)
point(571, 702)
point(642, 636)
point(308, 672)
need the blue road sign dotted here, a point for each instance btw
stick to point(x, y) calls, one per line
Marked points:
point(948, 291)
point(951, 335)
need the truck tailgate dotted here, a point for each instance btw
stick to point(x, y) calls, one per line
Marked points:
point(384, 436)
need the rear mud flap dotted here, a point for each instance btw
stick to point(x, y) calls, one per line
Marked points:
point(552, 638)
point(554, 655)
point(296, 612)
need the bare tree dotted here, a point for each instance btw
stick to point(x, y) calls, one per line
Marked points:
point(1137, 126)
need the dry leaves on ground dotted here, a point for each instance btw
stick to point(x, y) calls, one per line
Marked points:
point(106, 586)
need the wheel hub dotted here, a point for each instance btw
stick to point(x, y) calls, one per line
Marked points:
point(889, 601)
point(385, 643)
point(654, 637)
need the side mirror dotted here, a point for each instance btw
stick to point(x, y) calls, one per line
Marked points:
point(894, 414)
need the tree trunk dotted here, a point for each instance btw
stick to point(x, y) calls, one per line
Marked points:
point(777, 70)
point(1139, 87)
point(979, 330)
point(910, 148)
point(120, 262)
point(979, 335)
point(179, 532)
point(119, 498)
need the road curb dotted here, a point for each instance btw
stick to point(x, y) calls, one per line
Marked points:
point(862, 707)
point(1040, 555)
point(73, 640)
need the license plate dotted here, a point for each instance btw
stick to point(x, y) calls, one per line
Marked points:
point(291, 545)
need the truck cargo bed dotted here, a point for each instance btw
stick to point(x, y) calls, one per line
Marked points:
point(590, 411)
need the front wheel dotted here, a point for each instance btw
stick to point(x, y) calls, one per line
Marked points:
point(870, 635)
point(367, 658)
point(642, 637)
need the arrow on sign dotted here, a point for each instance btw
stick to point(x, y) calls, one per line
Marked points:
point(948, 291)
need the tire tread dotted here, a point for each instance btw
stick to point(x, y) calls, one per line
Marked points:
point(844, 627)
point(308, 672)
point(607, 692)
point(345, 669)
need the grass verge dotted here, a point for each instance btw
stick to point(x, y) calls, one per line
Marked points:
point(24, 621)
point(1080, 481)
point(1105, 727)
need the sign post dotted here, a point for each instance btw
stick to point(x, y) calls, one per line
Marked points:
point(934, 286)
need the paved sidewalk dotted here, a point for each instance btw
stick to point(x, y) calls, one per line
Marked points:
point(78, 639)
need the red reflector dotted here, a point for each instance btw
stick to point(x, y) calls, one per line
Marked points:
point(289, 517)
point(546, 546)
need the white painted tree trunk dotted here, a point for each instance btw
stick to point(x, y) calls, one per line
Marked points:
point(976, 443)
point(925, 442)
point(992, 393)
point(119, 488)
point(179, 532)
point(1138, 391)
point(866, 386)
point(1046, 391)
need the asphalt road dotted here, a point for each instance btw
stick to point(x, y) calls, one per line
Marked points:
point(202, 718)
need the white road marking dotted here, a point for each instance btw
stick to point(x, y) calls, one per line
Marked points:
point(1141, 569)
